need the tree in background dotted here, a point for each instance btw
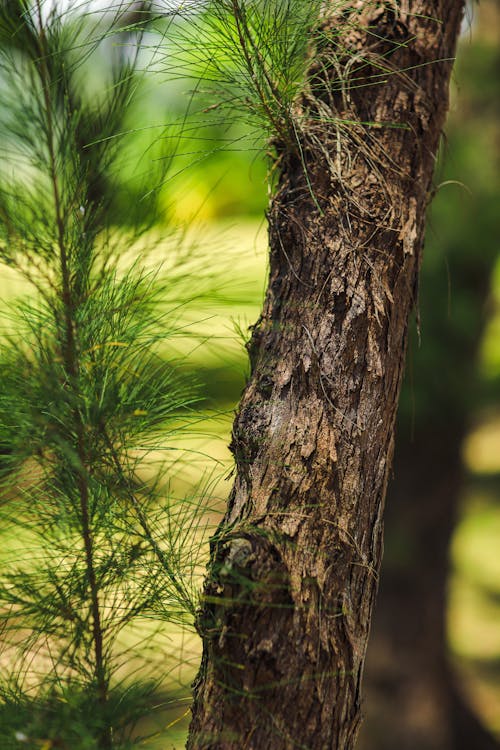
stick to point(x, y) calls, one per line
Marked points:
point(412, 687)
point(32, 717)
point(294, 565)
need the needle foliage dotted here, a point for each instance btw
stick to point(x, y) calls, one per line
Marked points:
point(249, 58)
point(90, 547)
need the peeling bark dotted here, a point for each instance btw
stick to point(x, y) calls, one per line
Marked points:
point(293, 572)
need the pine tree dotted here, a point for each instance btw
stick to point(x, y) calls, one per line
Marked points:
point(294, 565)
point(91, 549)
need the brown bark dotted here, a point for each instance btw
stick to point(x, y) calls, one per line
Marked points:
point(294, 566)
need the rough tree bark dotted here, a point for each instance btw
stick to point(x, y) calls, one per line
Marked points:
point(293, 572)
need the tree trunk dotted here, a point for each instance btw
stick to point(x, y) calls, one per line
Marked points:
point(294, 566)
point(410, 684)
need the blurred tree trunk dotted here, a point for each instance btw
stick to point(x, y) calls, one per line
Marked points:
point(411, 684)
point(294, 565)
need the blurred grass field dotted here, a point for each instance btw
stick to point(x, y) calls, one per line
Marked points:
point(224, 261)
point(209, 345)
point(213, 345)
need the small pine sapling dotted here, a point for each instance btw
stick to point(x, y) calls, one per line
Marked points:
point(90, 547)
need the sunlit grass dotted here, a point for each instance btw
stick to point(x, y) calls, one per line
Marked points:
point(481, 449)
point(474, 603)
point(490, 347)
point(196, 459)
point(234, 262)
point(476, 588)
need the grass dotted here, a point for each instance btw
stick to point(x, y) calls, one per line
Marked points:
point(481, 449)
point(474, 595)
point(234, 261)
point(474, 603)
point(207, 334)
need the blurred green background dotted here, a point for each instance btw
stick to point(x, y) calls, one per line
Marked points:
point(216, 190)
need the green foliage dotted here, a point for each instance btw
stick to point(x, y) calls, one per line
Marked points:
point(69, 717)
point(255, 53)
point(90, 546)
